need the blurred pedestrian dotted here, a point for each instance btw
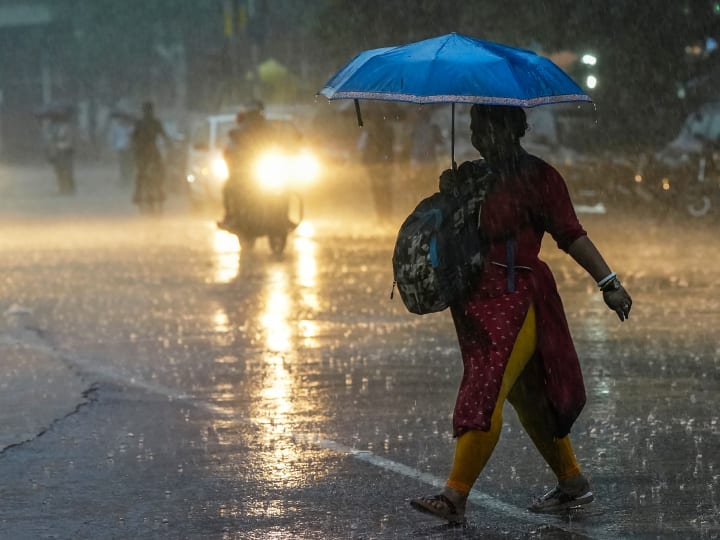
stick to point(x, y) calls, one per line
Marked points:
point(376, 145)
point(149, 177)
point(61, 150)
point(512, 331)
point(121, 130)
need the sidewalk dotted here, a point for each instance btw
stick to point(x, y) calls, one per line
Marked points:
point(30, 191)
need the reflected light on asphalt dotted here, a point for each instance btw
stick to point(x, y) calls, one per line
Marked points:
point(278, 391)
point(306, 262)
point(275, 318)
point(305, 230)
point(274, 408)
point(308, 331)
point(223, 404)
point(221, 323)
point(307, 280)
point(227, 260)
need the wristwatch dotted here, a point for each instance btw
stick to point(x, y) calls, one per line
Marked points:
point(612, 285)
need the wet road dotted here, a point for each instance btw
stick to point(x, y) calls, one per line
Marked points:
point(194, 390)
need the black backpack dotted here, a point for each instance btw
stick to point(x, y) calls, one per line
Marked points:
point(439, 249)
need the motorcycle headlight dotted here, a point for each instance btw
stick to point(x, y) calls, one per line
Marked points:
point(306, 167)
point(272, 170)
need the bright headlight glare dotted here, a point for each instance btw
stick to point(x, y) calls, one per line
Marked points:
point(306, 167)
point(220, 169)
point(271, 170)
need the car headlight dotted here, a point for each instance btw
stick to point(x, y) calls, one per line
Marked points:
point(220, 169)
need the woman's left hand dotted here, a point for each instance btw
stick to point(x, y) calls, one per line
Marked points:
point(618, 299)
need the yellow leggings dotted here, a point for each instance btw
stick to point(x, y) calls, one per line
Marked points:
point(522, 387)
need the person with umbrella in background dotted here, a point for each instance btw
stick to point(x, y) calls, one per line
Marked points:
point(513, 334)
point(512, 330)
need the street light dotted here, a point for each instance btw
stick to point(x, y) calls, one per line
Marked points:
point(589, 59)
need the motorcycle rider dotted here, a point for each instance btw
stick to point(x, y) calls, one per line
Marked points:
point(149, 177)
point(247, 140)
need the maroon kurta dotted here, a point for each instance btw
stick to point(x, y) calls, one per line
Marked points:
point(522, 207)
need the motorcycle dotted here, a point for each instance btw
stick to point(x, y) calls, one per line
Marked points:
point(268, 205)
point(684, 175)
point(688, 183)
point(595, 181)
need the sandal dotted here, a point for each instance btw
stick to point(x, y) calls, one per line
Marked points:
point(439, 506)
point(557, 500)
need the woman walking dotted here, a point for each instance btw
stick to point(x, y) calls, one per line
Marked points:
point(512, 331)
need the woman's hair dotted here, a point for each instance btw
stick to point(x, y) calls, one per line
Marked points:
point(513, 117)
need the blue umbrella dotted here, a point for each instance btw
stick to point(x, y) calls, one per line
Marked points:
point(453, 69)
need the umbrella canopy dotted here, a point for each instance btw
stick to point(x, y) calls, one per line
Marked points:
point(454, 69)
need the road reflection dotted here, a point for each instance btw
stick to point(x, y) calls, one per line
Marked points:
point(273, 406)
point(267, 315)
point(221, 322)
point(307, 281)
point(226, 263)
point(277, 309)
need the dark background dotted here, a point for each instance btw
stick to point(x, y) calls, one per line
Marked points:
point(199, 55)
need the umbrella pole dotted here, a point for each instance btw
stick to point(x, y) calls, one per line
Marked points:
point(357, 112)
point(452, 137)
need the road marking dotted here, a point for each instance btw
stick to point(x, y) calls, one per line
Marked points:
point(475, 497)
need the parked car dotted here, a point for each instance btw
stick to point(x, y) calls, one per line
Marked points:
point(206, 168)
